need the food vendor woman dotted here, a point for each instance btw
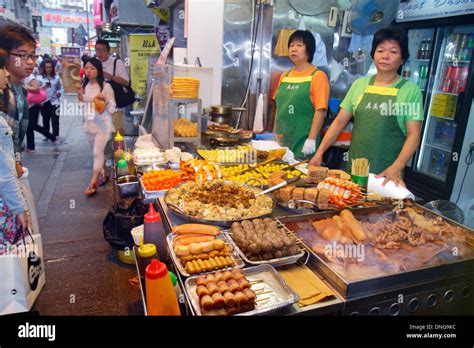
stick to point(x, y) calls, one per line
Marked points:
point(301, 97)
point(387, 111)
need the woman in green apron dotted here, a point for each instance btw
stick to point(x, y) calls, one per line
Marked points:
point(387, 112)
point(301, 97)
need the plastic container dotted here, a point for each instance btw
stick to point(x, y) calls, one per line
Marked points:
point(118, 142)
point(154, 233)
point(160, 294)
point(146, 253)
point(122, 168)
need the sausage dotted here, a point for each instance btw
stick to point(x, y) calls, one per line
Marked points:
point(201, 280)
point(356, 228)
point(186, 240)
point(227, 275)
point(233, 285)
point(243, 283)
point(237, 274)
point(201, 291)
point(212, 287)
point(218, 276)
point(250, 294)
point(213, 264)
point(218, 300)
point(223, 287)
point(241, 298)
point(200, 229)
point(207, 303)
point(229, 299)
point(201, 265)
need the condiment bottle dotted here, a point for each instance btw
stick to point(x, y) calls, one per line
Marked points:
point(154, 233)
point(146, 253)
point(122, 168)
point(131, 166)
point(160, 295)
point(118, 142)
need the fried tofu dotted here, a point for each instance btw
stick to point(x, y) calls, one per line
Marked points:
point(298, 194)
point(285, 193)
point(339, 174)
point(323, 198)
point(310, 194)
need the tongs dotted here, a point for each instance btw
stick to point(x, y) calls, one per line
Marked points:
point(280, 185)
point(296, 165)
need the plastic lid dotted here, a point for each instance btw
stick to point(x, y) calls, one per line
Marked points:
point(173, 278)
point(152, 215)
point(118, 137)
point(147, 250)
point(156, 270)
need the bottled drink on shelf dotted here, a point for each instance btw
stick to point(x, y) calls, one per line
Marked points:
point(466, 53)
point(406, 74)
point(447, 86)
point(421, 50)
point(455, 46)
point(462, 43)
point(428, 50)
point(422, 75)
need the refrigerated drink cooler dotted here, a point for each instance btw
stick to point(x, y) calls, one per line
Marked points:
point(441, 65)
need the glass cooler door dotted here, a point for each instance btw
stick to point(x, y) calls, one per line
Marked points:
point(449, 81)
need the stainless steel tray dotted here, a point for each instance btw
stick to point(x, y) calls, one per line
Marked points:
point(377, 284)
point(278, 262)
point(238, 262)
point(223, 223)
point(151, 194)
point(276, 293)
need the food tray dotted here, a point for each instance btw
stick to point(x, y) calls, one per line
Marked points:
point(280, 294)
point(239, 263)
point(278, 262)
point(373, 283)
point(151, 194)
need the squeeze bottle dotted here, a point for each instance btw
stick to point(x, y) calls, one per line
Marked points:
point(146, 253)
point(160, 295)
point(122, 168)
point(154, 233)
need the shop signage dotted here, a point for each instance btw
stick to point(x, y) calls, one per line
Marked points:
point(142, 46)
point(79, 4)
point(416, 10)
point(63, 18)
point(110, 37)
point(71, 67)
point(114, 11)
point(98, 22)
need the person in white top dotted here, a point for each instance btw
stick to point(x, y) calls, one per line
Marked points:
point(98, 97)
point(102, 49)
point(50, 108)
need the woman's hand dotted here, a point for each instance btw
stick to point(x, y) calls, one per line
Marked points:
point(317, 159)
point(19, 169)
point(23, 220)
point(393, 173)
point(101, 97)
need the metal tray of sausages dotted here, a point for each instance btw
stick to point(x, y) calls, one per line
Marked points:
point(272, 291)
point(238, 262)
point(276, 262)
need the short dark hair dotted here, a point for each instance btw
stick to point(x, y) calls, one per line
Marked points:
point(4, 93)
point(394, 34)
point(85, 58)
point(103, 42)
point(100, 73)
point(308, 39)
point(13, 36)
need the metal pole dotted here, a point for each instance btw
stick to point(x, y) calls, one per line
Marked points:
point(88, 38)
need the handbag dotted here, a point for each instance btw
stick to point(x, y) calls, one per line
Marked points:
point(124, 95)
point(23, 274)
point(36, 97)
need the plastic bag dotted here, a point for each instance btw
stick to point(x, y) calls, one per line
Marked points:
point(119, 222)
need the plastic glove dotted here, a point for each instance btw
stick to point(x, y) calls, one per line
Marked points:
point(309, 147)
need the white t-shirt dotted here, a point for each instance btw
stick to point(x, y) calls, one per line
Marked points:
point(120, 69)
point(94, 122)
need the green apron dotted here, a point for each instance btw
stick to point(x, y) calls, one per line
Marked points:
point(295, 112)
point(376, 134)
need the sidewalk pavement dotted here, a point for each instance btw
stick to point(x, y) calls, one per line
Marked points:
point(83, 274)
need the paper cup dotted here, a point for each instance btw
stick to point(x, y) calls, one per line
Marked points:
point(363, 181)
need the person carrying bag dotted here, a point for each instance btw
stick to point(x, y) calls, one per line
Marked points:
point(124, 95)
